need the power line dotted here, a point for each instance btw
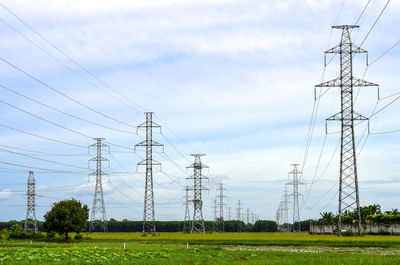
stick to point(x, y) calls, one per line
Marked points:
point(45, 120)
point(41, 159)
point(61, 93)
point(39, 136)
point(63, 112)
point(376, 21)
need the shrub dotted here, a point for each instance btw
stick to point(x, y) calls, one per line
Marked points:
point(78, 237)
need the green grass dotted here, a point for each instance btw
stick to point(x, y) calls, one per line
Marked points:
point(253, 239)
point(115, 254)
point(170, 248)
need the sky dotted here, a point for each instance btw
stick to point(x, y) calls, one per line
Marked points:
point(230, 79)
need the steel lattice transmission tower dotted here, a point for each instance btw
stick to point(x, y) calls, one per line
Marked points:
point(149, 224)
point(198, 220)
point(285, 209)
point(229, 213)
point(239, 216)
point(248, 216)
point(296, 176)
point(30, 221)
point(186, 222)
point(348, 181)
point(98, 208)
point(221, 196)
point(215, 207)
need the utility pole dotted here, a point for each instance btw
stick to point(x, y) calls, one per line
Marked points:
point(296, 175)
point(30, 221)
point(98, 208)
point(348, 181)
point(149, 224)
point(239, 216)
point(286, 209)
point(221, 197)
point(186, 222)
point(198, 220)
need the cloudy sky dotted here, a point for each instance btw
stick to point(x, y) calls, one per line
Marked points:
point(231, 79)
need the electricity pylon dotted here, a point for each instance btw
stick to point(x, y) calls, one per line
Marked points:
point(186, 222)
point(98, 208)
point(221, 196)
point(285, 209)
point(296, 175)
point(149, 224)
point(198, 220)
point(30, 221)
point(239, 216)
point(348, 181)
point(229, 213)
point(248, 216)
point(215, 215)
point(278, 216)
point(253, 220)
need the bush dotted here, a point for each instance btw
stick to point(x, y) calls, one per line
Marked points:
point(4, 234)
point(78, 237)
point(51, 234)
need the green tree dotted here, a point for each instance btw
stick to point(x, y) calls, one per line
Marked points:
point(66, 216)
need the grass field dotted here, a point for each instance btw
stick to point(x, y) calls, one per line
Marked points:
point(171, 248)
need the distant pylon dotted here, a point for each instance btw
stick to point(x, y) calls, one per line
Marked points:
point(239, 216)
point(277, 215)
point(248, 215)
point(221, 196)
point(198, 220)
point(98, 208)
point(186, 222)
point(215, 215)
point(229, 213)
point(253, 219)
point(348, 181)
point(296, 176)
point(30, 221)
point(149, 223)
point(285, 209)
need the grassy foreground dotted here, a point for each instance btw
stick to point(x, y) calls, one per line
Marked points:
point(253, 239)
point(171, 248)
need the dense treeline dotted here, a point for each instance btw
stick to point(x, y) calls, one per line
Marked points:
point(370, 214)
point(168, 226)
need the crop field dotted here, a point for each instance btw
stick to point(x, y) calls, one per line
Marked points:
point(216, 248)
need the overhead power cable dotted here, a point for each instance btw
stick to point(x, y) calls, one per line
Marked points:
point(41, 159)
point(63, 94)
point(45, 120)
point(63, 112)
point(43, 137)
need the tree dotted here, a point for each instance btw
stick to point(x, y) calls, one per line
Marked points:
point(327, 218)
point(66, 216)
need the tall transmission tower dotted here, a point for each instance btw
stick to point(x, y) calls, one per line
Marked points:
point(98, 208)
point(215, 207)
point(296, 175)
point(253, 219)
point(186, 222)
point(248, 215)
point(285, 209)
point(278, 216)
point(30, 221)
point(149, 224)
point(239, 216)
point(348, 181)
point(198, 220)
point(229, 213)
point(221, 197)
